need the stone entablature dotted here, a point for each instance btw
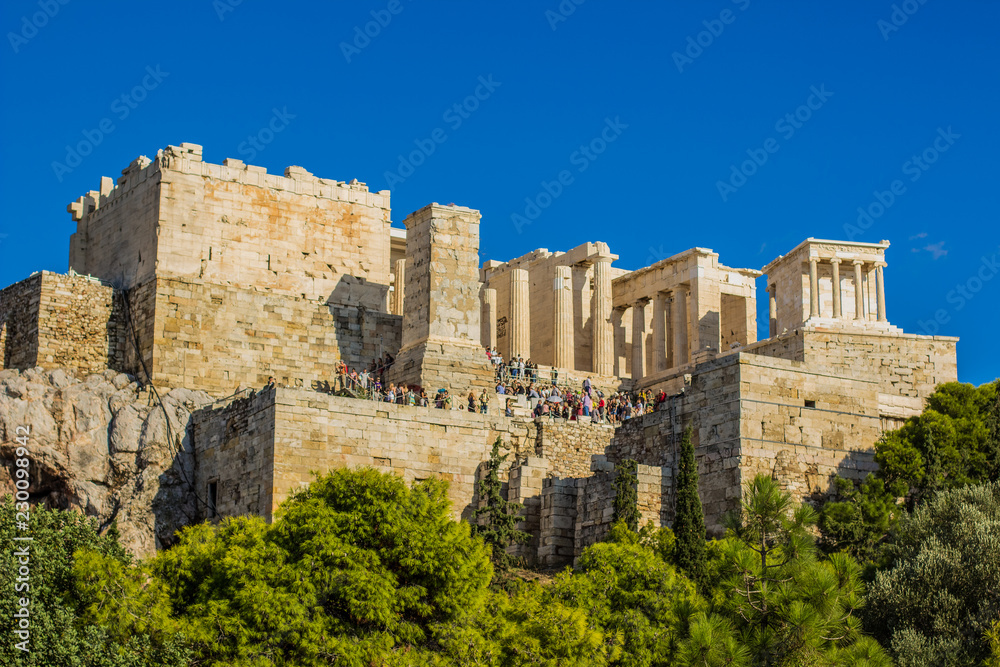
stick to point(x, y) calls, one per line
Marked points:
point(682, 310)
point(828, 283)
point(553, 308)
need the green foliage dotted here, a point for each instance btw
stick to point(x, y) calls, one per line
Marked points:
point(497, 520)
point(357, 570)
point(62, 558)
point(776, 596)
point(632, 595)
point(689, 521)
point(626, 502)
point(938, 590)
point(953, 438)
point(953, 443)
point(859, 521)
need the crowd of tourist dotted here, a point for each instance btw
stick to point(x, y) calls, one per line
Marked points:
point(514, 379)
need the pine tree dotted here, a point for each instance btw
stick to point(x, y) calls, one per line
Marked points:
point(689, 520)
point(499, 528)
point(626, 503)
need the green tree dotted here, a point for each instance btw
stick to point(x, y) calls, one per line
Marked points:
point(626, 502)
point(860, 519)
point(358, 569)
point(63, 628)
point(783, 603)
point(937, 591)
point(633, 596)
point(954, 442)
point(689, 519)
point(496, 521)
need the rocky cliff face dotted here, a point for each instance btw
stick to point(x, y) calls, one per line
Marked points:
point(105, 446)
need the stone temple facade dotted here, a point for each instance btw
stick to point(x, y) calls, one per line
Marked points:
point(211, 278)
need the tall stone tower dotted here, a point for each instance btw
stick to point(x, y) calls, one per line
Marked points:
point(441, 339)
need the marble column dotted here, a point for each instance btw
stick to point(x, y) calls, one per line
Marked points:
point(835, 265)
point(859, 295)
point(562, 343)
point(398, 291)
point(679, 320)
point(639, 338)
point(603, 342)
point(813, 288)
point(880, 291)
point(659, 333)
point(489, 317)
point(520, 315)
point(772, 310)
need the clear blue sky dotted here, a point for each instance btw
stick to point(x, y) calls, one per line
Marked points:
point(217, 72)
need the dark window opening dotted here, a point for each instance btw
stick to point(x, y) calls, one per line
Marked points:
point(810, 404)
point(213, 495)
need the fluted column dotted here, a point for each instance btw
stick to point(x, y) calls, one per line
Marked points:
point(562, 343)
point(639, 338)
point(659, 332)
point(813, 288)
point(880, 291)
point(520, 316)
point(398, 291)
point(859, 295)
point(835, 265)
point(603, 343)
point(680, 325)
point(489, 320)
point(772, 310)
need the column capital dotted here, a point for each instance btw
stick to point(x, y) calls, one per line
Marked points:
point(858, 262)
point(880, 264)
point(641, 302)
point(835, 260)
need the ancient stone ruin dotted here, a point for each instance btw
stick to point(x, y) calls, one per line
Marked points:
point(142, 371)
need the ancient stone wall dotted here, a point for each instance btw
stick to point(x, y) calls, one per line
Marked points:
point(19, 321)
point(315, 432)
point(177, 216)
point(219, 337)
point(54, 320)
point(569, 446)
point(235, 453)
